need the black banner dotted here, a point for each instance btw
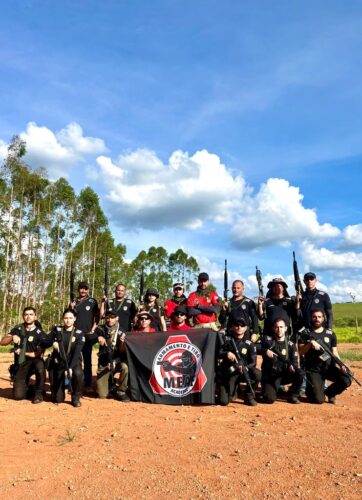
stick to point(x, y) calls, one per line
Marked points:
point(172, 367)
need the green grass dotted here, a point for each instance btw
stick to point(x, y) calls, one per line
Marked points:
point(345, 314)
point(351, 355)
point(348, 334)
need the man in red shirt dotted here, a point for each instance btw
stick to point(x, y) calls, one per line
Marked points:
point(143, 322)
point(203, 304)
point(178, 299)
point(178, 319)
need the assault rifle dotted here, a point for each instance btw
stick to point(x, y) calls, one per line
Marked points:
point(68, 379)
point(142, 286)
point(71, 286)
point(226, 285)
point(327, 353)
point(259, 281)
point(241, 362)
point(106, 278)
point(297, 281)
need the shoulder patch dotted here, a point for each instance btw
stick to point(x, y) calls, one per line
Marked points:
point(78, 331)
point(303, 329)
point(321, 293)
point(129, 301)
point(58, 328)
point(246, 299)
point(268, 338)
point(248, 342)
point(329, 331)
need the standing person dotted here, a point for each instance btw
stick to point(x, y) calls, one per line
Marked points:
point(122, 305)
point(178, 299)
point(313, 299)
point(67, 342)
point(143, 323)
point(203, 304)
point(111, 358)
point(152, 306)
point(231, 373)
point(280, 364)
point(318, 366)
point(240, 306)
point(178, 319)
point(29, 342)
point(87, 311)
point(277, 305)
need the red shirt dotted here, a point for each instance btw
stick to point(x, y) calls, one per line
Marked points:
point(174, 326)
point(170, 306)
point(203, 300)
point(150, 330)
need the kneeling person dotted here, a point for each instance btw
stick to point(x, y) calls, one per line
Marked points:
point(178, 319)
point(238, 365)
point(280, 364)
point(65, 363)
point(319, 366)
point(111, 359)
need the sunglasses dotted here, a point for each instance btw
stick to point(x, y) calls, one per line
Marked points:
point(180, 314)
point(309, 279)
point(144, 318)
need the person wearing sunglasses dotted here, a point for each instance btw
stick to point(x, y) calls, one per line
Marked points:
point(311, 300)
point(178, 319)
point(143, 323)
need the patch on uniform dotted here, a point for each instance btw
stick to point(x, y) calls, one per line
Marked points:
point(128, 300)
point(321, 293)
point(285, 303)
point(83, 339)
point(243, 306)
point(31, 339)
point(73, 339)
point(244, 351)
point(125, 308)
point(316, 301)
point(326, 339)
point(154, 310)
point(87, 308)
point(284, 352)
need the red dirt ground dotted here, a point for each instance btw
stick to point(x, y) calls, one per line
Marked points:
point(108, 449)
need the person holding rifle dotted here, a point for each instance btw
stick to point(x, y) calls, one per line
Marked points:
point(312, 299)
point(65, 363)
point(318, 345)
point(124, 307)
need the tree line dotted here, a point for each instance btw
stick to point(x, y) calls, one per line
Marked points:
point(47, 230)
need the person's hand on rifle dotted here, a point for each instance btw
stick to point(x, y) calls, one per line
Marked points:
point(291, 369)
point(68, 374)
point(122, 338)
point(16, 339)
point(241, 368)
point(270, 353)
point(261, 300)
point(102, 341)
point(298, 298)
point(225, 305)
point(253, 337)
point(231, 357)
point(56, 346)
point(342, 368)
point(104, 298)
point(72, 304)
point(315, 345)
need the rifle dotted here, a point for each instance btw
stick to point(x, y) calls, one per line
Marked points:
point(142, 286)
point(71, 285)
point(259, 281)
point(297, 281)
point(241, 362)
point(106, 278)
point(226, 286)
point(328, 354)
point(110, 349)
point(68, 380)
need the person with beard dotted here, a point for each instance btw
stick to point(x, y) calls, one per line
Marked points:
point(178, 299)
point(240, 307)
point(87, 311)
point(311, 300)
point(318, 366)
point(152, 306)
point(276, 305)
point(203, 304)
point(111, 358)
point(230, 373)
point(125, 308)
point(280, 364)
point(178, 319)
point(29, 343)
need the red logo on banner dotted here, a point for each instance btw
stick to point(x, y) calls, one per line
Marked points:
point(177, 368)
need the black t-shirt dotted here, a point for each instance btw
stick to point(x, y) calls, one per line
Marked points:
point(286, 354)
point(246, 349)
point(87, 311)
point(72, 341)
point(126, 311)
point(312, 300)
point(244, 309)
point(312, 358)
point(30, 340)
point(278, 309)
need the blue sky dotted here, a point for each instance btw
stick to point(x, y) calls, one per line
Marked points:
point(230, 129)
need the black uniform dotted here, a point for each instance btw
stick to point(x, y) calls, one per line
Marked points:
point(275, 370)
point(126, 311)
point(73, 342)
point(312, 300)
point(33, 341)
point(240, 309)
point(229, 382)
point(87, 312)
point(278, 309)
point(318, 368)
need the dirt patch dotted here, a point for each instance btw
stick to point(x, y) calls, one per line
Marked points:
point(108, 449)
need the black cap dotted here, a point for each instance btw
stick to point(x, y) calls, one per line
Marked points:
point(234, 319)
point(203, 276)
point(179, 309)
point(152, 291)
point(277, 281)
point(310, 275)
point(111, 312)
point(83, 284)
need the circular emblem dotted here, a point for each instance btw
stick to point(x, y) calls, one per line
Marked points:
point(316, 301)
point(125, 308)
point(31, 339)
point(326, 339)
point(244, 351)
point(87, 308)
point(284, 352)
point(243, 306)
point(284, 303)
point(154, 310)
point(73, 339)
point(176, 367)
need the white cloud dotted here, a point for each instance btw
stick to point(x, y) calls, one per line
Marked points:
point(341, 290)
point(352, 236)
point(3, 150)
point(186, 192)
point(276, 216)
point(61, 151)
point(325, 259)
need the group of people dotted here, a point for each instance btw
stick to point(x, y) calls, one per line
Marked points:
point(293, 344)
